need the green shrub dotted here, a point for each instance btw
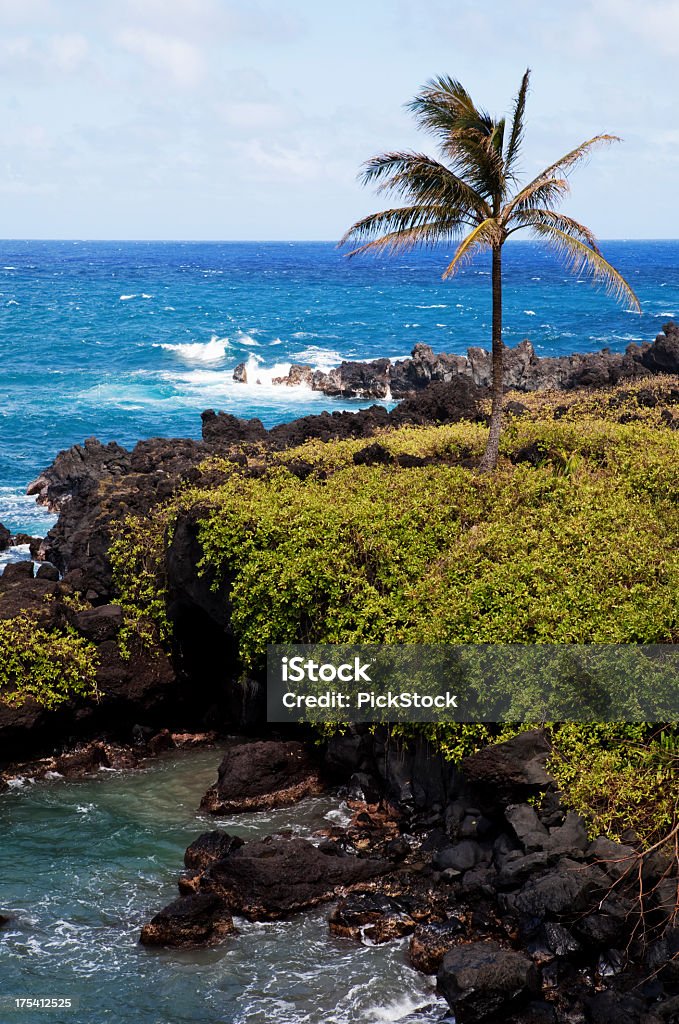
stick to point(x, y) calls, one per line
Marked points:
point(619, 777)
point(49, 666)
point(572, 540)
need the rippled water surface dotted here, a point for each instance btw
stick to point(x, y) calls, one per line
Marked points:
point(84, 864)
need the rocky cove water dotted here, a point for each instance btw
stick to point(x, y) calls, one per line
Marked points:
point(83, 865)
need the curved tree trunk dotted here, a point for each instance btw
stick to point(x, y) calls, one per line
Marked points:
point(489, 460)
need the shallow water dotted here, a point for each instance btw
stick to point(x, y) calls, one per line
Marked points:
point(84, 864)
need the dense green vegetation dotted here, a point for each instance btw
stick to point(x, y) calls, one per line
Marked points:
point(48, 666)
point(572, 539)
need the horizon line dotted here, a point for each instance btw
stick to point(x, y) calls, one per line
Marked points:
point(297, 241)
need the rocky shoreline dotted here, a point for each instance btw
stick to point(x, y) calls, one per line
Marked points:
point(498, 889)
point(524, 369)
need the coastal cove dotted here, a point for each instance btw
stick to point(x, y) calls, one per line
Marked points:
point(397, 873)
point(85, 863)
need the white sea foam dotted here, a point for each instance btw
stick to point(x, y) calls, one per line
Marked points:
point(434, 305)
point(529, 312)
point(12, 302)
point(212, 351)
point(126, 298)
point(145, 295)
point(247, 339)
point(393, 1012)
point(16, 553)
point(319, 358)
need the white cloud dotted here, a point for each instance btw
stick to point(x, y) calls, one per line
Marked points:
point(69, 51)
point(656, 22)
point(166, 54)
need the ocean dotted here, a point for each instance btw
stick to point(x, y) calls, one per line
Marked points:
point(126, 340)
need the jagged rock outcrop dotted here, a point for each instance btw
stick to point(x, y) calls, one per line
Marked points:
point(264, 880)
point(524, 369)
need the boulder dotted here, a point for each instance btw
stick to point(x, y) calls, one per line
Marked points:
point(373, 916)
point(85, 761)
point(209, 847)
point(431, 942)
point(527, 827)
point(256, 776)
point(567, 888)
point(275, 877)
point(616, 859)
point(461, 857)
point(18, 570)
point(663, 355)
point(47, 571)
point(5, 537)
point(480, 979)
point(199, 919)
point(516, 766)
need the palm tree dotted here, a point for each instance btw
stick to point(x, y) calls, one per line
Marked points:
point(472, 196)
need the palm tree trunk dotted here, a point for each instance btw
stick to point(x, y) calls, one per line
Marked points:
point(489, 460)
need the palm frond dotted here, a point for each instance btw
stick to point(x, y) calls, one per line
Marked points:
point(481, 237)
point(404, 228)
point(542, 192)
point(419, 178)
point(581, 259)
point(444, 105)
point(470, 137)
point(516, 135)
point(571, 159)
point(528, 218)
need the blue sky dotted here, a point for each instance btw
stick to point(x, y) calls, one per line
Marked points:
point(235, 119)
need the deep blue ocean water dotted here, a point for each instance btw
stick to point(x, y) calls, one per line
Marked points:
point(132, 340)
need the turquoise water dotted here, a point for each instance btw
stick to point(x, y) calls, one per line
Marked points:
point(131, 340)
point(84, 864)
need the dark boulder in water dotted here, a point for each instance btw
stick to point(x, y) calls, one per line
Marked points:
point(275, 877)
point(199, 919)
point(480, 979)
point(431, 942)
point(209, 847)
point(373, 915)
point(257, 776)
point(5, 537)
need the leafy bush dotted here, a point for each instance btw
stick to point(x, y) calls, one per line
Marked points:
point(50, 667)
point(571, 540)
point(619, 777)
